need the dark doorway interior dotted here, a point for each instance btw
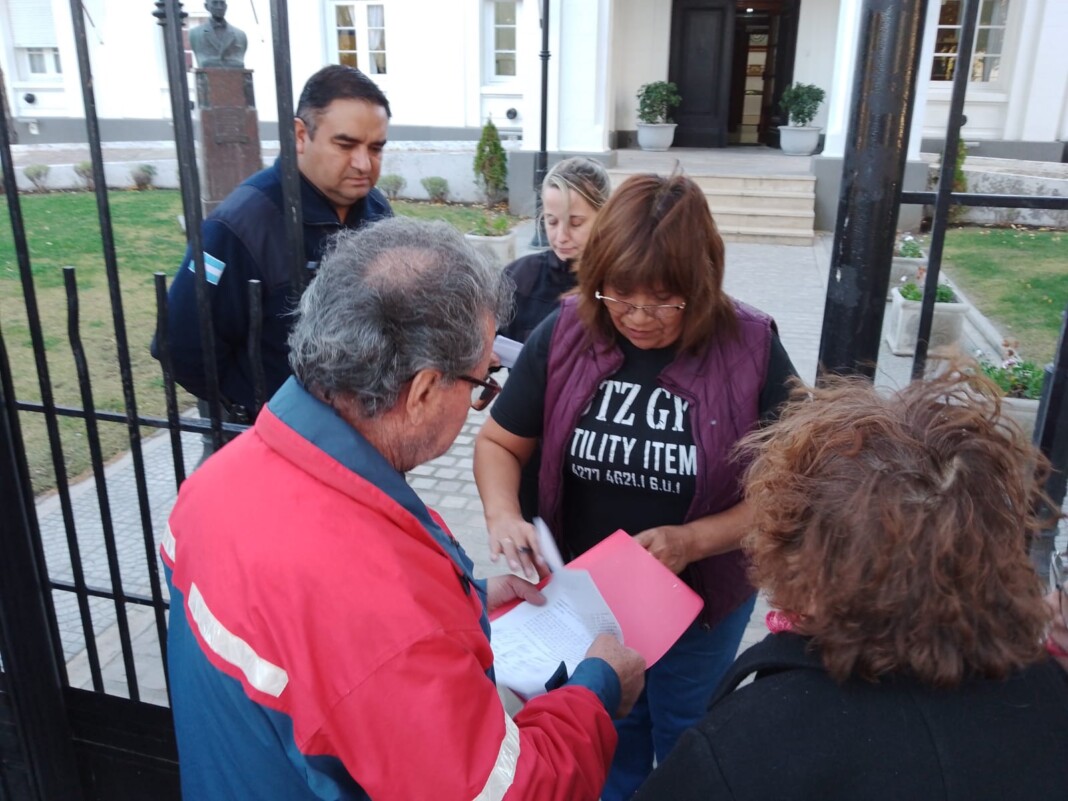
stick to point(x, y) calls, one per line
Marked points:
point(764, 44)
point(731, 60)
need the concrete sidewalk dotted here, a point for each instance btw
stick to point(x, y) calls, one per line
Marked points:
point(787, 282)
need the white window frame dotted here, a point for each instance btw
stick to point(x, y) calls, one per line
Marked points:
point(50, 60)
point(361, 30)
point(489, 49)
point(977, 55)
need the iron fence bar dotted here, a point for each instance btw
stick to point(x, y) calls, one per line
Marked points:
point(96, 459)
point(170, 14)
point(32, 665)
point(873, 169)
point(118, 317)
point(287, 141)
point(961, 74)
point(108, 595)
point(541, 164)
point(44, 381)
point(194, 425)
point(255, 344)
point(988, 200)
point(1051, 436)
point(169, 392)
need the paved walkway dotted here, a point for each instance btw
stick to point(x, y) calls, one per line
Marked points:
point(788, 282)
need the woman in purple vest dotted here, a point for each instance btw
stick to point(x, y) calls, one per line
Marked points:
point(638, 388)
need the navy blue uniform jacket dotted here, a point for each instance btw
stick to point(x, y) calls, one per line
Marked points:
point(245, 239)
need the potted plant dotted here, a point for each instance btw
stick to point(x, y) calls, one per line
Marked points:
point(494, 238)
point(903, 326)
point(909, 260)
point(656, 101)
point(1021, 382)
point(800, 101)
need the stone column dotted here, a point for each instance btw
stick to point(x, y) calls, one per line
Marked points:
point(227, 132)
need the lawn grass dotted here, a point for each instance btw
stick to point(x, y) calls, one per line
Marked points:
point(62, 229)
point(1018, 278)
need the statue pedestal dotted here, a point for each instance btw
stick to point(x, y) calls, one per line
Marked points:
point(227, 132)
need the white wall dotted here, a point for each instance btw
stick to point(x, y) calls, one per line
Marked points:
point(817, 50)
point(583, 105)
point(641, 42)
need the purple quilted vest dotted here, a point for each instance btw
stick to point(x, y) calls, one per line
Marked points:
point(722, 385)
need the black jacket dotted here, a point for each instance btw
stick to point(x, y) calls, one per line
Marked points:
point(246, 234)
point(540, 279)
point(796, 734)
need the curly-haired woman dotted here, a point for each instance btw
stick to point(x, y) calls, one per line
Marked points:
point(890, 533)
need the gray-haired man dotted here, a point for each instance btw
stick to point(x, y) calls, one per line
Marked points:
point(327, 637)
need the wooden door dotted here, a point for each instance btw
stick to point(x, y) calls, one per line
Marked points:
point(702, 34)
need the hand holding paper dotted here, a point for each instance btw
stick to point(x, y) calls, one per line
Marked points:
point(651, 606)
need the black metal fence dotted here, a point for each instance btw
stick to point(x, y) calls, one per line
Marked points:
point(56, 740)
point(873, 169)
point(61, 742)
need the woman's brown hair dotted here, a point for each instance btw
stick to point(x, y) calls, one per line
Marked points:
point(895, 528)
point(657, 234)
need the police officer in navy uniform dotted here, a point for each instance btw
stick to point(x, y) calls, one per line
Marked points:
point(341, 124)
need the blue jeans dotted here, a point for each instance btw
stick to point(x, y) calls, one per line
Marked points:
point(676, 695)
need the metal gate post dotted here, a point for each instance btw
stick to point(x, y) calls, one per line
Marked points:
point(872, 173)
point(25, 644)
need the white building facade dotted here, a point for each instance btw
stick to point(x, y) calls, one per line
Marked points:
point(447, 65)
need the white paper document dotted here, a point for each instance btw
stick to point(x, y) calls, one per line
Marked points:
point(529, 642)
point(507, 350)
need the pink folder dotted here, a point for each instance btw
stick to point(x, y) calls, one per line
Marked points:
point(653, 605)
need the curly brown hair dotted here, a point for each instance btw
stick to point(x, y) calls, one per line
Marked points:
point(894, 528)
point(656, 233)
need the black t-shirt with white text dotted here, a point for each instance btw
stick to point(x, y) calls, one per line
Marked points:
point(631, 462)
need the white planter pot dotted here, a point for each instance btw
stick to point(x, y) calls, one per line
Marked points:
point(796, 140)
point(499, 250)
point(655, 136)
point(903, 326)
point(1021, 411)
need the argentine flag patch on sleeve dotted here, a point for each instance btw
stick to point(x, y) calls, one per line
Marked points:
point(213, 268)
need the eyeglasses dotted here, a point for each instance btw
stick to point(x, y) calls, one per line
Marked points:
point(659, 311)
point(482, 391)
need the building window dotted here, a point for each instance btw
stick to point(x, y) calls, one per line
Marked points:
point(39, 63)
point(360, 36)
point(502, 38)
point(989, 41)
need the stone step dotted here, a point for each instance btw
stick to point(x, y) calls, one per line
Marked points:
point(766, 236)
point(736, 182)
point(727, 199)
point(768, 209)
point(787, 220)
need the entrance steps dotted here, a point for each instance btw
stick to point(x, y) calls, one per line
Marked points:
point(775, 209)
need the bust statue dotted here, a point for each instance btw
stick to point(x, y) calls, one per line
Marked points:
point(216, 43)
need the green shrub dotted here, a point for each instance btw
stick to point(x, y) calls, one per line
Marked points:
point(801, 101)
point(84, 170)
point(497, 225)
point(142, 176)
point(1016, 378)
point(491, 164)
point(392, 185)
point(656, 101)
point(910, 290)
point(909, 248)
point(38, 176)
point(437, 188)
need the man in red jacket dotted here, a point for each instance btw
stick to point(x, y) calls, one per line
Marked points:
point(327, 637)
